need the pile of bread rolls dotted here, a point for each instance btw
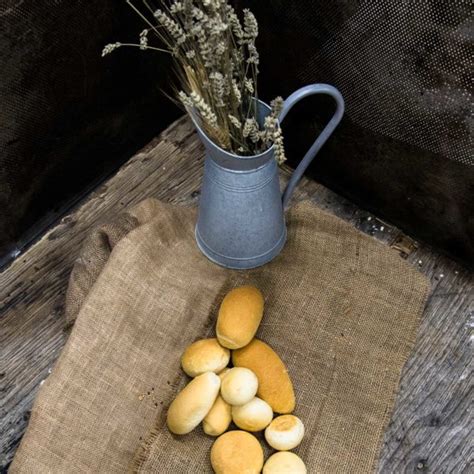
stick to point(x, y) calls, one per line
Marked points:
point(248, 394)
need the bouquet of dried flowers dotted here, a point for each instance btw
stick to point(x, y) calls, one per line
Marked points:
point(216, 64)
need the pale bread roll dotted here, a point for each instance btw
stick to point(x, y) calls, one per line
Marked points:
point(239, 386)
point(237, 452)
point(285, 432)
point(255, 415)
point(274, 383)
point(218, 419)
point(206, 355)
point(193, 403)
point(284, 462)
point(239, 316)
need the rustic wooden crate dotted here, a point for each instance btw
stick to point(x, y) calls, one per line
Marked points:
point(431, 424)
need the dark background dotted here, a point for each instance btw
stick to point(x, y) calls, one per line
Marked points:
point(69, 117)
point(404, 149)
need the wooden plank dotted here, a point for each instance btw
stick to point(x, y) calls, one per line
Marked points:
point(430, 427)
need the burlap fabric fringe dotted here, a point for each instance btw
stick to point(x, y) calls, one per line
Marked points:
point(342, 310)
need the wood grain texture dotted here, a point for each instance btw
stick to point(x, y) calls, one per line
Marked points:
point(431, 427)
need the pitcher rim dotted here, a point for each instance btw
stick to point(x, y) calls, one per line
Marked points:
point(229, 154)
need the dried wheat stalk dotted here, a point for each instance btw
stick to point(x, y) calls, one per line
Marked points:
point(216, 64)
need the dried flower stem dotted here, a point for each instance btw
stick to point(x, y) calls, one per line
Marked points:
point(216, 62)
point(119, 45)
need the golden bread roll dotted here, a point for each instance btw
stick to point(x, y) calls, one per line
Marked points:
point(206, 355)
point(239, 316)
point(236, 452)
point(274, 383)
point(285, 432)
point(284, 462)
point(218, 419)
point(239, 386)
point(255, 415)
point(193, 403)
point(223, 373)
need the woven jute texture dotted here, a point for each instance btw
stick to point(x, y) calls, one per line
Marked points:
point(341, 309)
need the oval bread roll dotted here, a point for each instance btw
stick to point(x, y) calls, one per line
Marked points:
point(239, 316)
point(237, 452)
point(255, 415)
point(193, 403)
point(284, 462)
point(239, 386)
point(285, 432)
point(274, 383)
point(206, 355)
point(218, 419)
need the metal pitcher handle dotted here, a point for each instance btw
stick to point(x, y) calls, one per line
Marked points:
point(322, 138)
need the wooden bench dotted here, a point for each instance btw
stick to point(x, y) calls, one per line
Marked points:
point(431, 425)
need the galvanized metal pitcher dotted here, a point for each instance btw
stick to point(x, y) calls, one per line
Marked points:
point(241, 222)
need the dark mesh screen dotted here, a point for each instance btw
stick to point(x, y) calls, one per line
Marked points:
point(68, 116)
point(405, 69)
point(405, 147)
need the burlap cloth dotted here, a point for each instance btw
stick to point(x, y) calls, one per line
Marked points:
point(342, 310)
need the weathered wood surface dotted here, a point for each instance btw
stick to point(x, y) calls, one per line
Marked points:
point(431, 427)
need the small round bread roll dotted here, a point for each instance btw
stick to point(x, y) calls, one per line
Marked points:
point(237, 452)
point(193, 403)
point(239, 386)
point(274, 383)
point(255, 415)
point(239, 316)
point(202, 356)
point(284, 432)
point(284, 462)
point(218, 419)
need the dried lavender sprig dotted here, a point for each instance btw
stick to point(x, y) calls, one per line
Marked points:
point(279, 146)
point(224, 46)
point(248, 83)
point(108, 48)
point(251, 130)
point(218, 88)
point(176, 7)
point(171, 26)
point(236, 91)
point(277, 106)
point(144, 39)
point(250, 26)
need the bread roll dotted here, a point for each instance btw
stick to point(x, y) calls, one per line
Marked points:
point(284, 462)
point(239, 317)
point(255, 415)
point(206, 355)
point(223, 373)
point(239, 386)
point(236, 452)
point(218, 419)
point(193, 403)
point(285, 432)
point(274, 384)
